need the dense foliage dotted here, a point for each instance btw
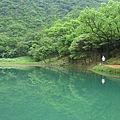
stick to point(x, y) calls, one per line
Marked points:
point(43, 29)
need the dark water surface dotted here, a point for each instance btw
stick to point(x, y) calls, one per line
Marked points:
point(49, 94)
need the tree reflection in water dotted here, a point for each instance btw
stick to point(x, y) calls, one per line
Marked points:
point(75, 93)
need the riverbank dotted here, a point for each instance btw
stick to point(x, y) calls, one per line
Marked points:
point(108, 69)
point(27, 61)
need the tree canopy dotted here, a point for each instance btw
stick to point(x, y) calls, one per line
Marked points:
point(43, 29)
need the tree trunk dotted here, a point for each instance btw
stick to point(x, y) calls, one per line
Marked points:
point(108, 51)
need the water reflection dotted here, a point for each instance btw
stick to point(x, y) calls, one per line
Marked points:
point(103, 80)
point(47, 94)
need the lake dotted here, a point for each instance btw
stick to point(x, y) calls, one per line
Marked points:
point(44, 93)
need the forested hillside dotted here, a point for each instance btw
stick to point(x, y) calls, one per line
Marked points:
point(47, 28)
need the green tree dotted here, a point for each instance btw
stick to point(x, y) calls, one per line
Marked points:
point(78, 48)
point(104, 25)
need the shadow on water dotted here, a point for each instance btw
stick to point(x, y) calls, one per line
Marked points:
point(47, 94)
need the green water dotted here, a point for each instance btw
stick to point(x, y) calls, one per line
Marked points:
point(50, 94)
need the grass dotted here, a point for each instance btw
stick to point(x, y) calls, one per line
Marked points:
point(22, 60)
point(107, 71)
point(28, 60)
point(17, 60)
point(114, 61)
